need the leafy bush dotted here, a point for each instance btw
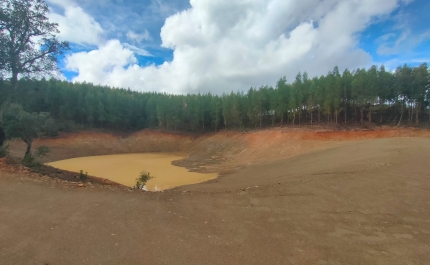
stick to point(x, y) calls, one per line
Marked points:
point(67, 126)
point(4, 150)
point(42, 151)
point(50, 128)
point(31, 160)
point(142, 179)
point(83, 176)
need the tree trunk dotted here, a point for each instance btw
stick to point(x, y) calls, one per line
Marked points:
point(14, 80)
point(369, 117)
point(29, 144)
point(401, 115)
point(294, 118)
point(261, 116)
point(416, 115)
point(361, 116)
point(344, 100)
point(355, 115)
point(282, 120)
point(2, 136)
point(409, 115)
point(319, 116)
point(311, 118)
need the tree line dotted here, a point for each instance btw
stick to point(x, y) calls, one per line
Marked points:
point(364, 97)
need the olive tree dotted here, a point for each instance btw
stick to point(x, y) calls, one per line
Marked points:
point(28, 42)
point(20, 124)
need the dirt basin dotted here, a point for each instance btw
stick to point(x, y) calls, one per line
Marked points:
point(285, 197)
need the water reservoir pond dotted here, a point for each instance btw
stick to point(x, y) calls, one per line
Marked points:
point(125, 168)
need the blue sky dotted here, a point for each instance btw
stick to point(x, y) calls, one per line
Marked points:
point(412, 18)
point(219, 46)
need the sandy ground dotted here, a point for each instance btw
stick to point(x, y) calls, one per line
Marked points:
point(350, 198)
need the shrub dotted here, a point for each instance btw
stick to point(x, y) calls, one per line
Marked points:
point(50, 128)
point(83, 176)
point(142, 179)
point(42, 151)
point(31, 160)
point(67, 126)
point(4, 150)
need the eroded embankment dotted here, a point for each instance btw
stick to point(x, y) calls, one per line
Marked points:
point(214, 152)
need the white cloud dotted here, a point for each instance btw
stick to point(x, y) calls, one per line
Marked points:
point(76, 25)
point(97, 66)
point(137, 50)
point(225, 45)
point(138, 38)
point(405, 43)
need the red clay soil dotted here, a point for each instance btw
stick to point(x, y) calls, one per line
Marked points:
point(214, 152)
point(291, 197)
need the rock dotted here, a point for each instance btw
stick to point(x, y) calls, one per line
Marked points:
point(80, 185)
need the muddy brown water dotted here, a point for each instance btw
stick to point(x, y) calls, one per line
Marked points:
point(125, 168)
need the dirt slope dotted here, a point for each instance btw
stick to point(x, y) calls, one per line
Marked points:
point(221, 152)
point(360, 201)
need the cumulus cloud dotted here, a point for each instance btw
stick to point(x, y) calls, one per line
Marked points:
point(100, 64)
point(225, 45)
point(76, 25)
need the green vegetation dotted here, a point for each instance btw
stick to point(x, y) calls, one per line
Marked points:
point(22, 22)
point(31, 159)
point(142, 179)
point(22, 125)
point(362, 97)
point(83, 176)
point(28, 47)
point(4, 150)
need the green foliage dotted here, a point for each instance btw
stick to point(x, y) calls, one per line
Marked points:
point(67, 126)
point(20, 124)
point(349, 97)
point(50, 128)
point(24, 21)
point(42, 151)
point(83, 176)
point(32, 159)
point(2, 135)
point(4, 150)
point(142, 179)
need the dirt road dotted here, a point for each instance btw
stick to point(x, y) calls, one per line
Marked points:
point(356, 202)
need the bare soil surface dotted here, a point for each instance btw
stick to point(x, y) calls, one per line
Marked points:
point(285, 197)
